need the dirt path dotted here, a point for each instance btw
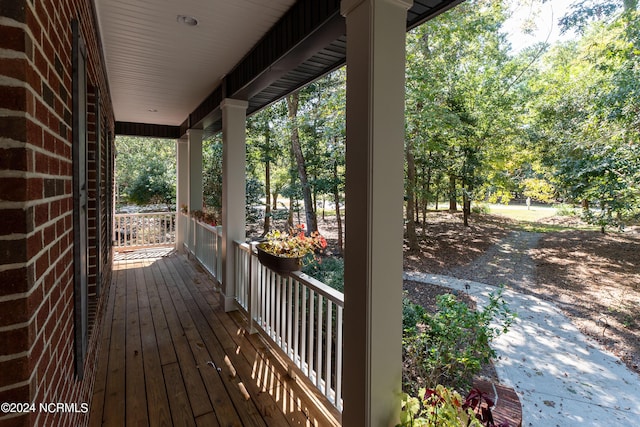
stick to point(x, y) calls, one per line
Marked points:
point(508, 262)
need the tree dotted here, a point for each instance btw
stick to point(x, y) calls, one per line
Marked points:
point(154, 184)
point(292, 108)
point(460, 95)
point(145, 170)
point(587, 110)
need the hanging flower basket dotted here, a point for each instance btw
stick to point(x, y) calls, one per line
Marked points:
point(284, 252)
point(282, 265)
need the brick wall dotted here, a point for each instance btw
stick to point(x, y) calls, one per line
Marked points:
point(36, 233)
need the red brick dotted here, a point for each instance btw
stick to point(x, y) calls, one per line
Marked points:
point(33, 134)
point(14, 10)
point(13, 38)
point(18, 394)
point(14, 312)
point(13, 252)
point(41, 214)
point(14, 128)
point(13, 371)
point(42, 263)
point(13, 221)
point(42, 163)
point(49, 234)
point(16, 159)
point(34, 189)
point(15, 68)
point(13, 189)
point(14, 281)
point(15, 341)
point(13, 98)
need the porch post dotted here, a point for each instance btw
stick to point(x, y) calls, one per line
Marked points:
point(182, 187)
point(234, 117)
point(195, 169)
point(374, 192)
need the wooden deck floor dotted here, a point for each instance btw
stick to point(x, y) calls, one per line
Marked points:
point(171, 356)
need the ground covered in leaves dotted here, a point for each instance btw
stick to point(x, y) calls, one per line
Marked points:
point(593, 277)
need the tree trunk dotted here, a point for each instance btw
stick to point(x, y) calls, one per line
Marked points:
point(425, 200)
point(412, 238)
point(336, 200)
point(267, 190)
point(466, 208)
point(453, 204)
point(310, 214)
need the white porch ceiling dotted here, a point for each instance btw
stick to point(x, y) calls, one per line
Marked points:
point(159, 69)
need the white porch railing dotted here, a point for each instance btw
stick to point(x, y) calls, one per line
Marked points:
point(300, 314)
point(138, 230)
point(204, 241)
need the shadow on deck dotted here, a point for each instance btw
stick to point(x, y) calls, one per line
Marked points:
point(170, 355)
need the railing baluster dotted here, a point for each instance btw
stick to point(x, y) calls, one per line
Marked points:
point(289, 316)
point(296, 325)
point(278, 307)
point(303, 338)
point(311, 332)
point(338, 398)
point(319, 343)
point(329, 338)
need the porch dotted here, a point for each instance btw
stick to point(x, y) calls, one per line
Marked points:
point(170, 355)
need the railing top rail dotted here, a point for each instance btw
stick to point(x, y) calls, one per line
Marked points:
point(145, 214)
point(334, 295)
point(216, 229)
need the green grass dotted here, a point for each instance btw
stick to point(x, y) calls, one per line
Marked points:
point(528, 219)
point(521, 213)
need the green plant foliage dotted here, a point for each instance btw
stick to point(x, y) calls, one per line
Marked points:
point(145, 171)
point(480, 208)
point(438, 407)
point(411, 315)
point(329, 270)
point(451, 346)
point(565, 210)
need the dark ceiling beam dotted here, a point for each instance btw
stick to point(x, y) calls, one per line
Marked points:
point(289, 47)
point(309, 26)
point(148, 130)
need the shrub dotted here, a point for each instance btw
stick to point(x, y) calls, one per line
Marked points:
point(565, 210)
point(480, 208)
point(451, 346)
point(411, 315)
point(329, 271)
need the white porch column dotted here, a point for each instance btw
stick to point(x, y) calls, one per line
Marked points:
point(182, 187)
point(234, 117)
point(374, 223)
point(195, 169)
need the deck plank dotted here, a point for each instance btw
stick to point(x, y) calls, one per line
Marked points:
point(198, 397)
point(163, 323)
point(114, 404)
point(178, 398)
point(223, 406)
point(136, 406)
point(249, 412)
point(230, 357)
point(97, 400)
point(157, 399)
